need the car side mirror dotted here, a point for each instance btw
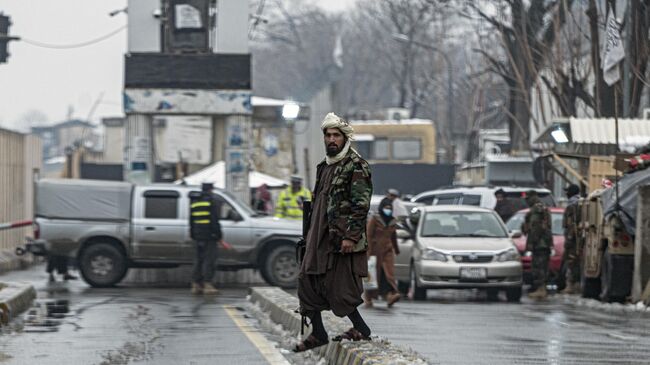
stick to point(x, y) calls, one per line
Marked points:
point(516, 233)
point(403, 234)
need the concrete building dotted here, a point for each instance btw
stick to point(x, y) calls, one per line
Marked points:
point(188, 68)
point(20, 165)
point(55, 138)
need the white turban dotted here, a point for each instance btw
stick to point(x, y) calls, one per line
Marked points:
point(334, 121)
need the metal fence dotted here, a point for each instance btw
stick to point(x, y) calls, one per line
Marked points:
point(20, 162)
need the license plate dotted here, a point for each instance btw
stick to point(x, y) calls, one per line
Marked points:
point(473, 273)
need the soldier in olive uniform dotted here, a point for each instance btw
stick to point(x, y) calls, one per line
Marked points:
point(570, 259)
point(539, 240)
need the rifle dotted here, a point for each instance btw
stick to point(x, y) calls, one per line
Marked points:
point(301, 245)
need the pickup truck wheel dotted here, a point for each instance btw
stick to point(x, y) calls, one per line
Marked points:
point(513, 294)
point(280, 267)
point(102, 265)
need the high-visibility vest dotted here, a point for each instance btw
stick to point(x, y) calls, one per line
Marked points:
point(290, 204)
point(204, 225)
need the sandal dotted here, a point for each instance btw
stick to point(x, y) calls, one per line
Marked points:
point(352, 334)
point(309, 343)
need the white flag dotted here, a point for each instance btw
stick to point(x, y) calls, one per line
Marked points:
point(337, 54)
point(614, 52)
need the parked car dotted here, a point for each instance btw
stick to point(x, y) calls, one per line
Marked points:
point(109, 227)
point(556, 271)
point(481, 196)
point(458, 247)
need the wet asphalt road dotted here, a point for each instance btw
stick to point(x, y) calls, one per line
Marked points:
point(146, 324)
point(130, 325)
point(462, 327)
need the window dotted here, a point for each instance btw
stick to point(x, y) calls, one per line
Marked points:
point(364, 148)
point(380, 150)
point(446, 199)
point(426, 200)
point(161, 204)
point(462, 224)
point(226, 211)
point(474, 200)
point(407, 149)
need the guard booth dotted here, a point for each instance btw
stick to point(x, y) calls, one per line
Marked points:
point(588, 151)
point(584, 151)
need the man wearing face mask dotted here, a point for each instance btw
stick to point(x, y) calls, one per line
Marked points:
point(382, 243)
point(335, 253)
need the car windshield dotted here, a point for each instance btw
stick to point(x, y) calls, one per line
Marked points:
point(462, 224)
point(514, 223)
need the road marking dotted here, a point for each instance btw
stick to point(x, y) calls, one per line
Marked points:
point(270, 353)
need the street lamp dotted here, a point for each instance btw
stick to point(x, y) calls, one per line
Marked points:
point(559, 135)
point(290, 111)
point(403, 38)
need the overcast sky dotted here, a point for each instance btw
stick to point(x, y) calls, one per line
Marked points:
point(54, 81)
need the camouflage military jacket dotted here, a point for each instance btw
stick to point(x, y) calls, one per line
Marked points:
point(348, 199)
point(537, 227)
point(571, 218)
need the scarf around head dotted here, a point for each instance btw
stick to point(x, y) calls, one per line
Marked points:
point(334, 121)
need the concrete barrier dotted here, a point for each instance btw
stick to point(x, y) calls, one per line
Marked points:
point(10, 261)
point(15, 298)
point(281, 307)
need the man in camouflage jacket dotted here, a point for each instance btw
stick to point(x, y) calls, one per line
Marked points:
point(570, 221)
point(539, 241)
point(335, 258)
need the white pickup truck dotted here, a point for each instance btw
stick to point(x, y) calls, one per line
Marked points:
point(109, 227)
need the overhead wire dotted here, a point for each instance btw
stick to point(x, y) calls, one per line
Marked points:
point(73, 45)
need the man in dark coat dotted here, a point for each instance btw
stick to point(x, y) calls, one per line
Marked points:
point(205, 230)
point(504, 207)
point(335, 256)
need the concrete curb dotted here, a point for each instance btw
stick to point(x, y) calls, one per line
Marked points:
point(10, 261)
point(15, 298)
point(281, 307)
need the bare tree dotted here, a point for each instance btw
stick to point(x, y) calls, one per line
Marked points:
point(527, 30)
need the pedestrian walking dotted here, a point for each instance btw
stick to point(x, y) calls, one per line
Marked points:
point(503, 207)
point(399, 210)
point(205, 230)
point(382, 243)
point(539, 241)
point(571, 257)
point(290, 200)
point(335, 259)
point(59, 264)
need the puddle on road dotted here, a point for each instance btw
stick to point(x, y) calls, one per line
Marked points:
point(46, 315)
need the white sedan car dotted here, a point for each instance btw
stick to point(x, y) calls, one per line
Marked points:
point(458, 247)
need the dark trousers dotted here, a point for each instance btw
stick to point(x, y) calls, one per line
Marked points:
point(58, 263)
point(204, 261)
point(540, 267)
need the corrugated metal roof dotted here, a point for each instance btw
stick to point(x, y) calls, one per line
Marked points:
point(601, 131)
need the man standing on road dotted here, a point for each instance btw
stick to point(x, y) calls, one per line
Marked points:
point(504, 208)
point(290, 200)
point(335, 257)
point(570, 259)
point(539, 241)
point(205, 230)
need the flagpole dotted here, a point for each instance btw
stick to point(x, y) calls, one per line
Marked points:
point(617, 144)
